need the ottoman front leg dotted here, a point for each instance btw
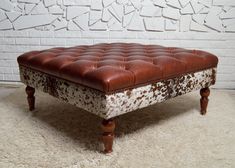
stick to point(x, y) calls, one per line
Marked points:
point(31, 99)
point(205, 92)
point(108, 127)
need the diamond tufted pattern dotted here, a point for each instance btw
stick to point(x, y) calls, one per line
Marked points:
point(116, 66)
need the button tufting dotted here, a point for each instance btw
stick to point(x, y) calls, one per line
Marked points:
point(115, 66)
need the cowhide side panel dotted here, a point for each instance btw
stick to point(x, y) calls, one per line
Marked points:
point(111, 105)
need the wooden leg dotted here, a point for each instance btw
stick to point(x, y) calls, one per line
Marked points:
point(108, 127)
point(31, 99)
point(205, 92)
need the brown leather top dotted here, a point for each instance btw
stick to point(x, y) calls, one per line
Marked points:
point(116, 66)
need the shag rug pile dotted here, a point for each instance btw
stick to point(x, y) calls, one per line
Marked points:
point(171, 134)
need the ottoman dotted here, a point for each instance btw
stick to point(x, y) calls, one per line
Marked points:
point(113, 79)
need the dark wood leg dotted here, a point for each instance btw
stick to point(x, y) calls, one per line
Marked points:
point(31, 99)
point(108, 127)
point(205, 92)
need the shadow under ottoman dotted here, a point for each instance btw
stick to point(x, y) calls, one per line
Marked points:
point(113, 79)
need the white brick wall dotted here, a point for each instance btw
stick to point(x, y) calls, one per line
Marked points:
point(202, 24)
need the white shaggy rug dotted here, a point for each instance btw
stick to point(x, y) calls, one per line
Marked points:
point(170, 134)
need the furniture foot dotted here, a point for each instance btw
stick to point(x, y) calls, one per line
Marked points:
point(108, 127)
point(205, 92)
point(31, 99)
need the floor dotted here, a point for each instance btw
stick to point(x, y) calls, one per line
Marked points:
point(168, 134)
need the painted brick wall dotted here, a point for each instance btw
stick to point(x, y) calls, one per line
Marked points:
point(39, 24)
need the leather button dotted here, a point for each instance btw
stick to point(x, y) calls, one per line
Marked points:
point(75, 71)
point(108, 78)
point(143, 71)
point(170, 66)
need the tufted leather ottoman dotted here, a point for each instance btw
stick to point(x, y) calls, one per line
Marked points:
point(112, 79)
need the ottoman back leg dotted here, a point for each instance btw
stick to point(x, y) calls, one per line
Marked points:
point(31, 99)
point(108, 127)
point(205, 92)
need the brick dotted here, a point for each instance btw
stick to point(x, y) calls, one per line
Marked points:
point(1, 77)
point(15, 70)
point(8, 63)
point(226, 61)
point(226, 69)
point(122, 35)
point(18, 48)
point(10, 56)
point(150, 35)
point(224, 84)
point(12, 77)
point(5, 70)
point(7, 41)
point(225, 77)
point(95, 34)
point(28, 41)
point(16, 33)
point(53, 42)
point(40, 34)
point(67, 34)
point(74, 42)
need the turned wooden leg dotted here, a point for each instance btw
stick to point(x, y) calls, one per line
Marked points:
point(31, 99)
point(205, 92)
point(108, 127)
